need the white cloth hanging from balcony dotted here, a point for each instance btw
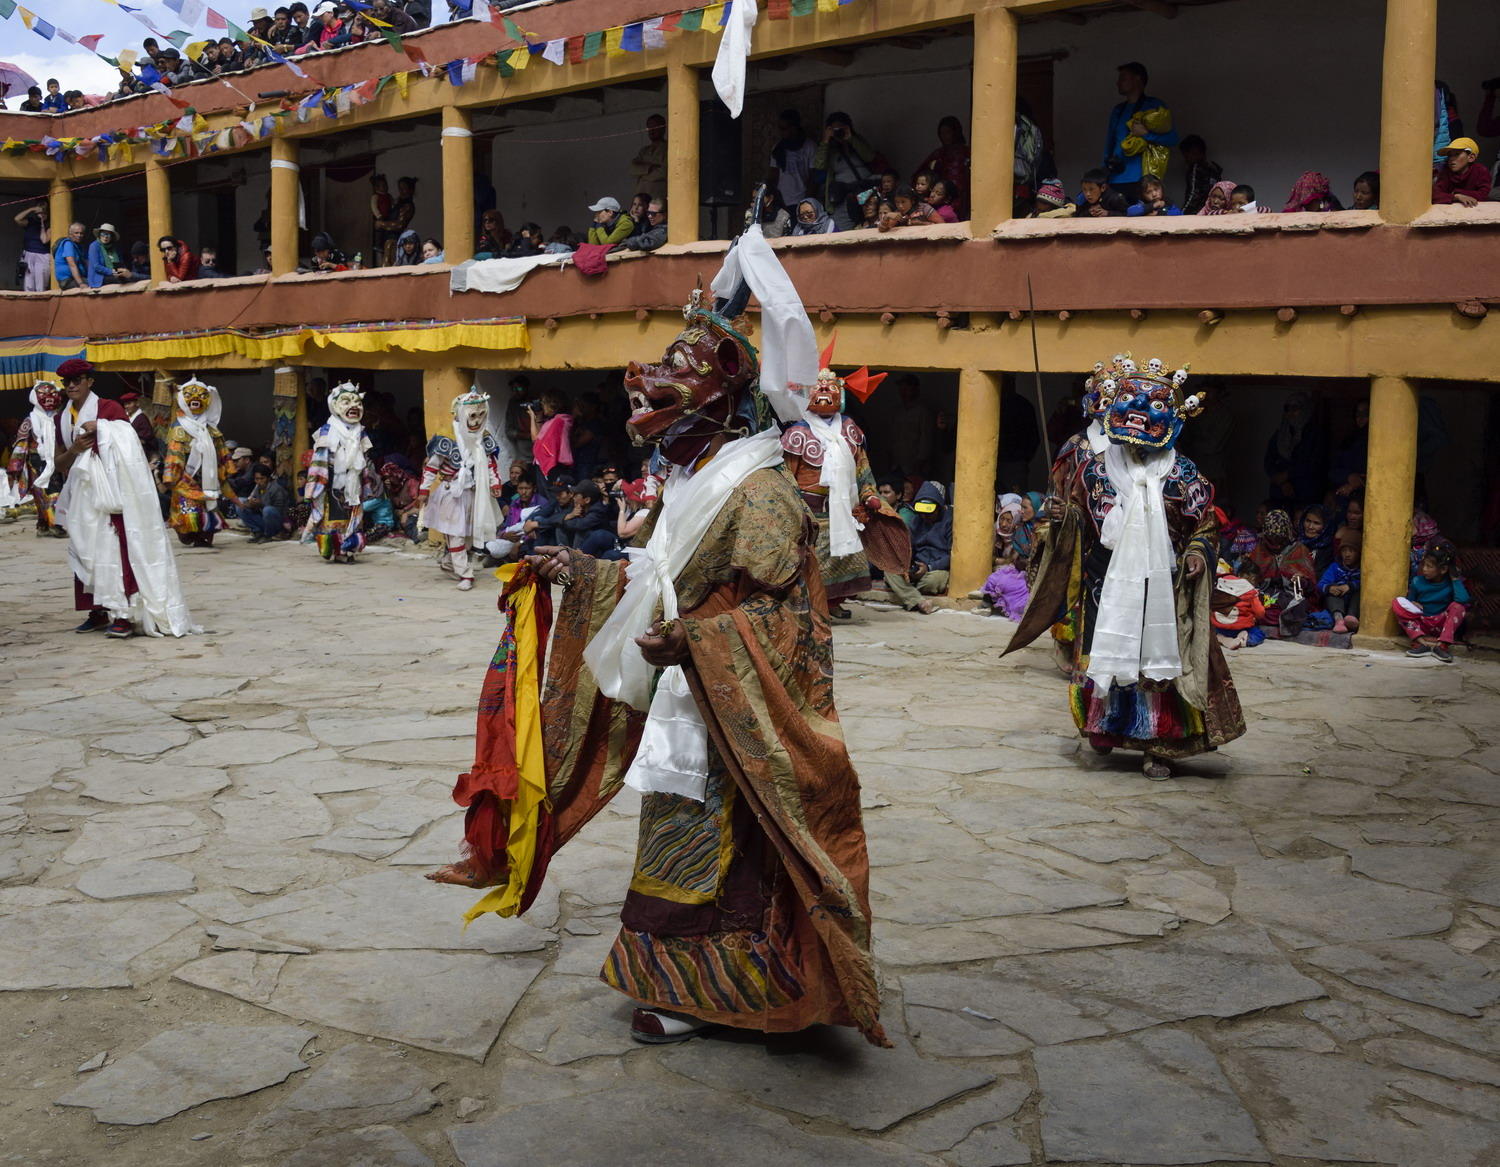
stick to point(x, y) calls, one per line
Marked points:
point(499, 275)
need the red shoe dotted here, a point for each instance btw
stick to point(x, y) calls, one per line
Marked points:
point(119, 630)
point(658, 1027)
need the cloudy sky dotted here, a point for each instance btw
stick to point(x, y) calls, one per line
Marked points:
point(74, 66)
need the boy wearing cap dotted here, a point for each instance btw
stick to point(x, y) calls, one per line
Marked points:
point(1462, 179)
point(611, 225)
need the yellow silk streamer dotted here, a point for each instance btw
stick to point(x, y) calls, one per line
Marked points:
point(531, 769)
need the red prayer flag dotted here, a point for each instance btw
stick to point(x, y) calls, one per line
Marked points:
point(779, 9)
point(575, 50)
point(91, 42)
point(416, 55)
point(214, 20)
point(668, 23)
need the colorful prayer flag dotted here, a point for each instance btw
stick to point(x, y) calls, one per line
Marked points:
point(713, 18)
point(828, 5)
point(6, 8)
point(214, 20)
point(519, 58)
point(778, 9)
point(555, 50)
point(575, 50)
point(803, 7)
point(691, 21)
point(455, 70)
point(651, 33)
point(632, 40)
point(91, 42)
point(592, 43)
point(612, 38)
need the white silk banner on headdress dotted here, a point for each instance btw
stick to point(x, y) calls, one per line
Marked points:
point(788, 351)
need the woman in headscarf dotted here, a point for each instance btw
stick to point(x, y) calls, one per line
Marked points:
point(950, 162)
point(408, 248)
point(1311, 193)
point(1218, 202)
point(1024, 538)
point(197, 466)
point(1316, 535)
point(812, 219)
point(774, 219)
point(1007, 517)
point(1285, 570)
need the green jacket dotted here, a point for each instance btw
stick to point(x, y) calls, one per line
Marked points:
point(618, 232)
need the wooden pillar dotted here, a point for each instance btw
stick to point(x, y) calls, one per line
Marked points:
point(439, 387)
point(993, 133)
point(1390, 484)
point(1406, 109)
point(978, 454)
point(682, 155)
point(458, 185)
point(59, 218)
point(286, 205)
point(158, 214)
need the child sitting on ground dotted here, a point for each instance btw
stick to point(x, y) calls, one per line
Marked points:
point(1238, 622)
point(1006, 591)
point(1435, 603)
point(1340, 586)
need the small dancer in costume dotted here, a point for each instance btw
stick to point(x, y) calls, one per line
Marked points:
point(1130, 563)
point(340, 477)
point(33, 456)
point(460, 483)
point(698, 672)
point(124, 575)
point(825, 451)
point(197, 467)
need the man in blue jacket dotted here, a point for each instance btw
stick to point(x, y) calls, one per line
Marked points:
point(1124, 169)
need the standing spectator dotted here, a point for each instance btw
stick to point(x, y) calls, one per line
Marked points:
point(1294, 458)
point(105, 265)
point(950, 161)
point(775, 220)
point(263, 510)
point(653, 233)
point(302, 21)
point(844, 165)
point(405, 208)
point(401, 22)
point(1462, 178)
point(35, 250)
point(1030, 147)
point(1098, 197)
point(611, 225)
point(945, 198)
point(551, 434)
point(285, 35)
point(1309, 193)
point(648, 168)
point(208, 264)
point(383, 231)
point(54, 102)
point(69, 263)
point(791, 160)
point(1367, 191)
point(910, 437)
point(181, 264)
point(1020, 435)
point(1139, 134)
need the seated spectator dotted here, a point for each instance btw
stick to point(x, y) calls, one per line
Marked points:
point(325, 256)
point(1339, 584)
point(54, 102)
point(544, 528)
point(893, 492)
point(1242, 199)
point(180, 263)
point(950, 163)
point(1286, 573)
point(408, 248)
point(1351, 526)
point(1217, 202)
point(33, 102)
point(812, 219)
point(74, 98)
point(399, 21)
point(140, 261)
point(69, 260)
point(1435, 603)
point(528, 241)
point(1007, 516)
point(1316, 534)
point(401, 489)
point(872, 208)
point(653, 232)
point(1238, 617)
point(208, 264)
point(588, 525)
point(330, 32)
point(285, 35)
point(104, 263)
point(432, 251)
point(637, 209)
point(1153, 199)
point(1311, 193)
point(611, 225)
point(263, 509)
point(563, 242)
point(1366, 191)
point(1097, 198)
point(511, 538)
point(944, 198)
point(1235, 538)
point(1006, 592)
point(843, 165)
point(1463, 179)
point(931, 540)
point(775, 220)
point(493, 236)
point(922, 182)
point(242, 479)
point(1023, 538)
point(1052, 202)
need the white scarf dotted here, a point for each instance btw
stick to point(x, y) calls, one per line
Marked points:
point(729, 63)
point(837, 474)
point(44, 430)
point(115, 480)
point(1135, 634)
point(673, 754)
point(203, 455)
point(475, 473)
point(88, 411)
point(348, 442)
point(1098, 440)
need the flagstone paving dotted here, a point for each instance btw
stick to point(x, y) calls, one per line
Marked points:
point(216, 945)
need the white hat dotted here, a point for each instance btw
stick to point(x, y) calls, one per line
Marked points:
point(326, 6)
point(606, 204)
point(258, 14)
point(103, 227)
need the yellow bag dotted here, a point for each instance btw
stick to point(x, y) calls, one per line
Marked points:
point(1154, 158)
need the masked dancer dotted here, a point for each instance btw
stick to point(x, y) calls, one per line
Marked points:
point(33, 456)
point(197, 467)
point(460, 483)
point(340, 477)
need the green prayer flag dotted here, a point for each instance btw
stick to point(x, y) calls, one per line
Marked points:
point(384, 81)
point(691, 21)
point(513, 30)
point(180, 38)
point(592, 44)
point(804, 7)
point(504, 66)
point(7, 7)
point(235, 31)
point(392, 37)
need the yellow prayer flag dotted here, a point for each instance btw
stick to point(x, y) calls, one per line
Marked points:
point(193, 48)
point(828, 5)
point(520, 58)
point(612, 39)
point(27, 15)
point(9, 144)
point(713, 19)
point(402, 82)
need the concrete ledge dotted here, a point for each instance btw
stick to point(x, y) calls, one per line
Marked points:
point(1445, 215)
point(1241, 225)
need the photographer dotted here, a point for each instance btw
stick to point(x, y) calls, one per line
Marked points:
point(844, 165)
point(551, 429)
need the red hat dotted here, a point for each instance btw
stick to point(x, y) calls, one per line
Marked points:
point(74, 367)
point(129, 395)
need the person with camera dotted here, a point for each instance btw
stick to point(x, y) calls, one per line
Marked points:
point(844, 165)
point(551, 433)
point(1140, 133)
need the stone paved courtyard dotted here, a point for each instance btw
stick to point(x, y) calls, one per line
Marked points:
point(216, 946)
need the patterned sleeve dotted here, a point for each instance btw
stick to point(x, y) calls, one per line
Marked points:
point(174, 464)
point(768, 520)
point(317, 473)
point(21, 451)
point(226, 466)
